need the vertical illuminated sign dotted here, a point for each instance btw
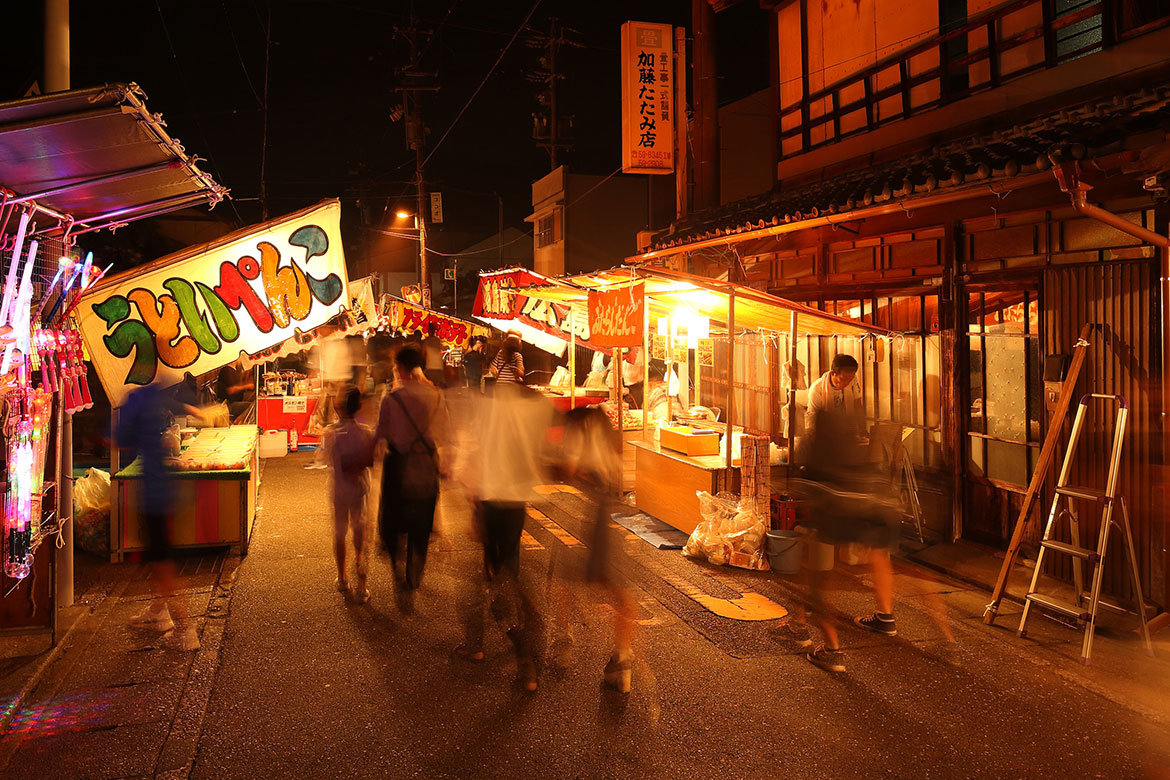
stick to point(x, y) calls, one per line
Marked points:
point(647, 98)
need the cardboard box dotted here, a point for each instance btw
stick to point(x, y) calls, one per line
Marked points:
point(689, 441)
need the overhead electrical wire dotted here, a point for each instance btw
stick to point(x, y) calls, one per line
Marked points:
point(474, 94)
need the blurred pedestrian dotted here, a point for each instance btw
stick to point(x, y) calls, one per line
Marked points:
point(474, 362)
point(508, 364)
point(350, 448)
point(500, 476)
point(236, 387)
point(141, 422)
point(852, 505)
point(433, 360)
point(592, 462)
point(413, 422)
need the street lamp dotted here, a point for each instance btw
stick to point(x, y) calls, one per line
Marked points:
point(424, 282)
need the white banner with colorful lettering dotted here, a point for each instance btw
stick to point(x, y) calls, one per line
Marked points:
point(201, 308)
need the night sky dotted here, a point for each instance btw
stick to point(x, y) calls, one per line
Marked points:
point(332, 75)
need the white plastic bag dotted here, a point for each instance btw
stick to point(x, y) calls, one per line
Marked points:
point(729, 533)
point(91, 512)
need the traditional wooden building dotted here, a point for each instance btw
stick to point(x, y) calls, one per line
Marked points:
point(985, 178)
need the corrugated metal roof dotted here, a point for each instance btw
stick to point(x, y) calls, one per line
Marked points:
point(97, 156)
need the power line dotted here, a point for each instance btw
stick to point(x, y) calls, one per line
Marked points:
point(239, 56)
point(198, 124)
point(492, 70)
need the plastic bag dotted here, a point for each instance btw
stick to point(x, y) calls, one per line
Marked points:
point(729, 533)
point(91, 512)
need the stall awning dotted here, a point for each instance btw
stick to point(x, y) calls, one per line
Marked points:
point(670, 292)
point(95, 158)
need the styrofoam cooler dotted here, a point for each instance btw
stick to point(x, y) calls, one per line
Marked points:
point(273, 444)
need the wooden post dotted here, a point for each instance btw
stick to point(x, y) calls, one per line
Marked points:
point(680, 123)
point(730, 378)
point(1043, 462)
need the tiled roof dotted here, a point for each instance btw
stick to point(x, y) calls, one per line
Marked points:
point(1084, 132)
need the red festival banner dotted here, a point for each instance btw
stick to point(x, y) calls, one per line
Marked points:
point(497, 300)
point(616, 316)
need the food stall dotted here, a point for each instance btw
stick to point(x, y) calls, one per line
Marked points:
point(257, 293)
point(216, 477)
point(694, 319)
point(501, 301)
point(74, 162)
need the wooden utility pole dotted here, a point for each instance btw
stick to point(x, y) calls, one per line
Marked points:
point(412, 83)
point(547, 128)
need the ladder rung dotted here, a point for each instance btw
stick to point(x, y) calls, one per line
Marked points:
point(1087, 493)
point(1122, 608)
point(1068, 610)
point(1070, 549)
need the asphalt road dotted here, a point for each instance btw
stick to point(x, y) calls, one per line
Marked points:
point(312, 686)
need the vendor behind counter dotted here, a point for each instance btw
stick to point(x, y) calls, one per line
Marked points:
point(236, 387)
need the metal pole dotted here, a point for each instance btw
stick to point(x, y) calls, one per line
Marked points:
point(500, 231)
point(572, 357)
point(424, 272)
point(793, 376)
point(57, 80)
point(730, 377)
point(616, 364)
point(646, 370)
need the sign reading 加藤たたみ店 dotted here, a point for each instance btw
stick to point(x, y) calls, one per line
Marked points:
point(200, 308)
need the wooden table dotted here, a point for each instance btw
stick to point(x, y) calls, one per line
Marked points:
point(211, 507)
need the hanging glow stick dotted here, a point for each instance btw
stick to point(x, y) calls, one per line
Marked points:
point(63, 265)
point(64, 291)
point(10, 285)
point(21, 312)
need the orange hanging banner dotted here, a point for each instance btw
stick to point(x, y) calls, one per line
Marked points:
point(616, 316)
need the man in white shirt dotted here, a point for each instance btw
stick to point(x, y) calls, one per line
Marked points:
point(836, 392)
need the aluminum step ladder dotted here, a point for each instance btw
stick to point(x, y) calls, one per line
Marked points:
point(1085, 604)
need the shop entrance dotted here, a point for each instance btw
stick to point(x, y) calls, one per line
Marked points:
point(1003, 406)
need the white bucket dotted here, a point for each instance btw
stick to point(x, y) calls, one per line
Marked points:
point(853, 554)
point(818, 555)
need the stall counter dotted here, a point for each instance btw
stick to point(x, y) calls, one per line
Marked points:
point(212, 506)
point(666, 482)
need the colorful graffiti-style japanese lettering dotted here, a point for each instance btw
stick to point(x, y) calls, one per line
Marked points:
point(192, 318)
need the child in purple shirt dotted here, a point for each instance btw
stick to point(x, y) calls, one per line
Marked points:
point(350, 454)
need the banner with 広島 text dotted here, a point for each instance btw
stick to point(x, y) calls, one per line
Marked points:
point(647, 98)
point(616, 316)
point(201, 308)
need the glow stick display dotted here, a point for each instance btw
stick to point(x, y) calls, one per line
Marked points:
point(14, 263)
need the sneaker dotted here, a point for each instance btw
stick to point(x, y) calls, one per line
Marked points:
point(181, 639)
point(617, 673)
point(526, 675)
point(828, 659)
point(878, 623)
point(561, 650)
point(153, 617)
point(797, 633)
point(465, 651)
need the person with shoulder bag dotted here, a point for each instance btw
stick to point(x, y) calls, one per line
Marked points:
point(413, 422)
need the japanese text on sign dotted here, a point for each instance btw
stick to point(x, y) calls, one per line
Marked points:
point(647, 87)
point(199, 309)
point(616, 316)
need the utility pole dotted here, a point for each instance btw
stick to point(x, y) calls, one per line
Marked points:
point(547, 128)
point(264, 131)
point(412, 83)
